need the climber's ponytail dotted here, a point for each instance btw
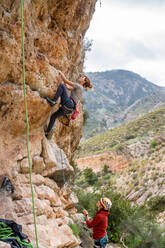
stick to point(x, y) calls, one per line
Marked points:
point(87, 83)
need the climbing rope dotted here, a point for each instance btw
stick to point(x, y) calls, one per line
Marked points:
point(27, 124)
point(63, 173)
point(6, 233)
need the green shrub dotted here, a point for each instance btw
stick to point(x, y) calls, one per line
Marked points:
point(75, 167)
point(88, 201)
point(142, 232)
point(135, 176)
point(105, 169)
point(136, 183)
point(120, 211)
point(90, 176)
point(85, 236)
point(150, 194)
point(137, 188)
point(157, 203)
point(119, 147)
point(153, 143)
point(130, 137)
point(75, 229)
point(104, 180)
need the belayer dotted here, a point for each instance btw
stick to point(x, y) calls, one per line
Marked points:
point(100, 222)
point(68, 104)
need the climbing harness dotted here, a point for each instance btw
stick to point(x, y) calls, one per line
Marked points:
point(66, 100)
point(75, 113)
point(66, 109)
point(69, 110)
point(27, 124)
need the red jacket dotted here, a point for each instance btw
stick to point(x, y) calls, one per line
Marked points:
point(99, 224)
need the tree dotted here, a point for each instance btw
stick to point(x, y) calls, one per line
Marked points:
point(90, 176)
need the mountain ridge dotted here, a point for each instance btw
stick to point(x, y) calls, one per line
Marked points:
point(119, 96)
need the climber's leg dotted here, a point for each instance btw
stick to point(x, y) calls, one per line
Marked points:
point(61, 92)
point(53, 118)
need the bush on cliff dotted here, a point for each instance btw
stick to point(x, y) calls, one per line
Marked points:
point(90, 176)
point(157, 204)
point(142, 232)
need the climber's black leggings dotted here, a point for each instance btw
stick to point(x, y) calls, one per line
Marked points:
point(61, 92)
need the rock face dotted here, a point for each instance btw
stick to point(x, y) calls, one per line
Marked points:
point(53, 33)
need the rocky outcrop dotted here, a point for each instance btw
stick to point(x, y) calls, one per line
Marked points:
point(51, 203)
point(114, 162)
point(53, 32)
point(4, 245)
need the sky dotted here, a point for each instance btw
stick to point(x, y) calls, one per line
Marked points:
point(129, 35)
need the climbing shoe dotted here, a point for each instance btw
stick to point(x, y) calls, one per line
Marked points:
point(49, 135)
point(50, 101)
point(46, 134)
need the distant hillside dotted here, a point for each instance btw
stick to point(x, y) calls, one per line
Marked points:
point(120, 138)
point(119, 96)
point(135, 152)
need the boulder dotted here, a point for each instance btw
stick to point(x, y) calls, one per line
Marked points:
point(4, 245)
point(56, 163)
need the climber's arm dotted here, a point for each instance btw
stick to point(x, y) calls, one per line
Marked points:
point(68, 87)
point(66, 81)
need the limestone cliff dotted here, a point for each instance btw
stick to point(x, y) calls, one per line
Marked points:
point(54, 32)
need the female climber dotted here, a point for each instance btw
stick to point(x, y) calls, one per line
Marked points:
point(100, 222)
point(68, 104)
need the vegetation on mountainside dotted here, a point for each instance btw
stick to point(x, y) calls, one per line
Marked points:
point(119, 138)
point(143, 179)
point(143, 141)
point(156, 204)
point(136, 224)
point(142, 182)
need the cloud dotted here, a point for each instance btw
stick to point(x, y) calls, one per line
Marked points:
point(137, 2)
point(146, 49)
point(150, 69)
point(129, 38)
